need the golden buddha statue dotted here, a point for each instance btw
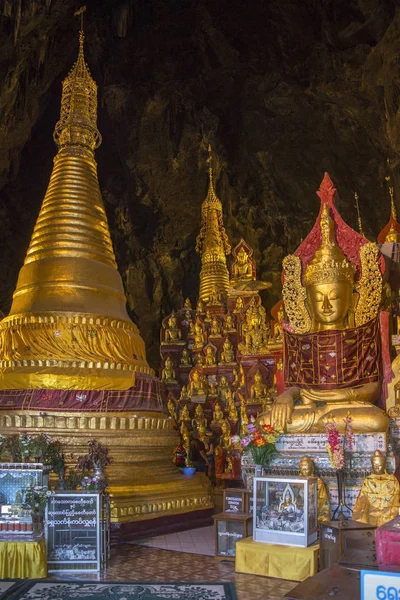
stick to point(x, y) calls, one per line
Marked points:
point(236, 379)
point(218, 415)
point(238, 305)
point(184, 394)
point(333, 319)
point(215, 330)
point(229, 323)
point(210, 359)
point(197, 386)
point(229, 398)
point(278, 332)
point(185, 358)
point(172, 409)
point(242, 378)
point(199, 421)
point(188, 304)
point(212, 389)
point(379, 498)
point(226, 437)
point(223, 387)
point(172, 332)
point(244, 419)
point(256, 330)
point(184, 415)
point(232, 413)
point(200, 307)
point(198, 336)
point(306, 469)
point(242, 267)
point(258, 391)
point(213, 246)
point(227, 354)
point(168, 373)
point(184, 431)
point(208, 317)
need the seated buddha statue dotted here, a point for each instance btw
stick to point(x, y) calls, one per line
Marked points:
point(238, 305)
point(199, 421)
point(278, 332)
point(229, 399)
point(197, 386)
point(379, 498)
point(184, 394)
point(223, 387)
point(232, 413)
point(236, 379)
point(172, 409)
point(227, 354)
point(184, 416)
point(229, 323)
point(242, 268)
point(212, 389)
point(215, 330)
point(218, 415)
point(198, 335)
point(214, 297)
point(226, 437)
point(333, 339)
point(258, 391)
point(172, 332)
point(306, 468)
point(188, 304)
point(210, 360)
point(185, 358)
point(200, 307)
point(168, 373)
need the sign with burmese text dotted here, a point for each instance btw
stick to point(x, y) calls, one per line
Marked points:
point(234, 502)
point(73, 531)
point(379, 585)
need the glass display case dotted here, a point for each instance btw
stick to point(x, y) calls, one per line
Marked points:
point(229, 528)
point(15, 480)
point(285, 511)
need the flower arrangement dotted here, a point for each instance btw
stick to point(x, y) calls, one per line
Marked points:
point(88, 483)
point(259, 441)
point(97, 457)
point(36, 498)
point(337, 446)
point(40, 445)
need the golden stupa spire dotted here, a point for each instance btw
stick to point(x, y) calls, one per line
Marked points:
point(393, 234)
point(68, 315)
point(360, 227)
point(212, 243)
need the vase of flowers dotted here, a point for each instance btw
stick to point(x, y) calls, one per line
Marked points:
point(95, 460)
point(260, 442)
point(337, 447)
point(36, 499)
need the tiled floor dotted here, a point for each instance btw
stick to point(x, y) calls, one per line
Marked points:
point(195, 541)
point(138, 562)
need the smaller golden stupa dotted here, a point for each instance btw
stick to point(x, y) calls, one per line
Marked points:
point(212, 244)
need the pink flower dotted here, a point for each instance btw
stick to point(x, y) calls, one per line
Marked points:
point(235, 439)
point(251, 428)
point(245, 441)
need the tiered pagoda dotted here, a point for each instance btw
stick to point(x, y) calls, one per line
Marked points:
point(72, 364)
point(225, 355)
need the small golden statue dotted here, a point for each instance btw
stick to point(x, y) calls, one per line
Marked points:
point(184, 431)
point(306, 467)
point(322, 297)
point(218, 415)
point(258, 391)
point(208, 317)
point(229, 324)
point(238, 305)
point(185, 358)
point(227, 354)
point(184, 416)
point(242, 378)
point(215, 330)
point(188, 304)
point(198, 336)
point(379, 498)
point(199, 421)
point(236, 379)
point(256, 331)
point(172, 409)
point(197, 386)
point(210, 360)
point(223, 387)
point(226, 437)
point(214, 297)
point(199, 360)
point(242, 268)
point(244, 419)
point(184, 394)
point(212, 389)
point(168, 373)
point(232, 414)
point(278, 331)
point(229, 399)
point(172, 332)
point(200, 307)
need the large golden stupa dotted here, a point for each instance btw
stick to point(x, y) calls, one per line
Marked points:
point(72, 364)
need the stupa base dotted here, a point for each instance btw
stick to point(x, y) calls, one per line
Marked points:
point(143, 482)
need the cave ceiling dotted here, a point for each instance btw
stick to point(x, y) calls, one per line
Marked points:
point(283, 90)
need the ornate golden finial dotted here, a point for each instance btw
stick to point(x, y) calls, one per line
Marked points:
point(360, 227)
point(78, 116)
point(329, 264)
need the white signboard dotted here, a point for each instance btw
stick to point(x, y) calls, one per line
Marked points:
point(317, 442)
point(378, 585)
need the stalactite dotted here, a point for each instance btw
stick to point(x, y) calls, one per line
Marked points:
point(122, 19)
point(17, 21)
point(8, 8)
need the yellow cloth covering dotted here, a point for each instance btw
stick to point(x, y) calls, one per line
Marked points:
point(272, 560)
point(23, 560)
